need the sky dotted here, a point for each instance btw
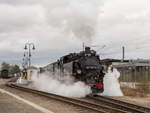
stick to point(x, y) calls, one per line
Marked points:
point(59, 27)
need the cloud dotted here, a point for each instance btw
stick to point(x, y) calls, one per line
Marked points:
point(124, 23)
point(19, 2)
point(19, 18)
point(59, 27)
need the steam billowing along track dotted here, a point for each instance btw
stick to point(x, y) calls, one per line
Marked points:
point(131, 108)
point(76, 102)
point(83, 66)
point(100, 104)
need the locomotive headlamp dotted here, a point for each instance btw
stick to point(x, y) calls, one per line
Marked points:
point(95, 78)
point(79, 71)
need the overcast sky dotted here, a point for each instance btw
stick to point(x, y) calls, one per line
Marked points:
point(58, 27)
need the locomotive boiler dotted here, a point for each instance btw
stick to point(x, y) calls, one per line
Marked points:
point(83, 66)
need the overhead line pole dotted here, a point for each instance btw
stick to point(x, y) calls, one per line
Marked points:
point(123, 53)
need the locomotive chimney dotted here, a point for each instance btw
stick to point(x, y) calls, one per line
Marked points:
point(87, 49)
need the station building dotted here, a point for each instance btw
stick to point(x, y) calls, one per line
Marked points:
point(131, 70)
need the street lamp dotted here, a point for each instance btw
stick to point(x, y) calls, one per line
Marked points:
point(25, 60)
point(28, 46)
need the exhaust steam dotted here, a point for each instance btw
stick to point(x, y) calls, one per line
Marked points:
point(65, 86)
point(111, 83)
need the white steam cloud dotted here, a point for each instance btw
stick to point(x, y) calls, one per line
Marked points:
point(111, 83)
point(77, 18)
point(65, 87)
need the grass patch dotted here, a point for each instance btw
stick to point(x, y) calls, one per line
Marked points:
point(128, 91)
point(141, 90)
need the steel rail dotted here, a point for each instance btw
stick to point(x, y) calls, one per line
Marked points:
point(77, 102)
point(122, 104)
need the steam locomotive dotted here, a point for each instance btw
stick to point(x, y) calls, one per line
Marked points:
point(83, 66)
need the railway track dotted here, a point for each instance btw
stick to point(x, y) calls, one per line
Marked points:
point(108, 101)
point(94, 107)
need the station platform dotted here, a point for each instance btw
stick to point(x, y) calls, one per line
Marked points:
point(9, 104)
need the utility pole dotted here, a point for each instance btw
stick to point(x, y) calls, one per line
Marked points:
point(123, 53)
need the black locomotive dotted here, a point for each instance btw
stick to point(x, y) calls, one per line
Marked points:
point(84, 66)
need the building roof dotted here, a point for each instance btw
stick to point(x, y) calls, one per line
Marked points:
point(126, 63)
